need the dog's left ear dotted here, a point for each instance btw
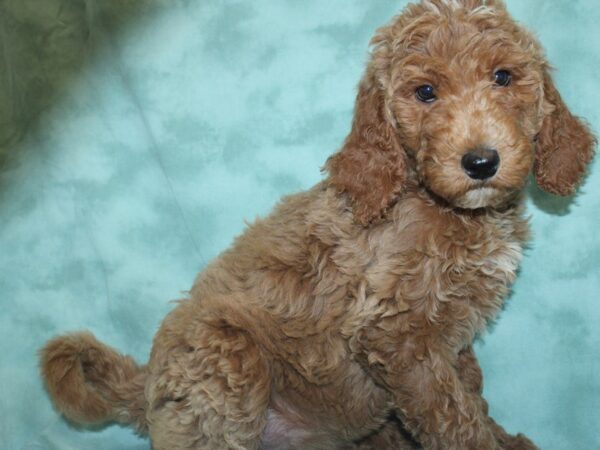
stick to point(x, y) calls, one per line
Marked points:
point(371, 165)
point(565, 146)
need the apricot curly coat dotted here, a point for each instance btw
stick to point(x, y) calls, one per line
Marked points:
point(345, 318)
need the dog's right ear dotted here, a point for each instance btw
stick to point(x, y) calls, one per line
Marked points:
point(565, 145)
point(371, 165)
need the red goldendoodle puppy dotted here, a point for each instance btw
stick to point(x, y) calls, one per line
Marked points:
point(345, 318)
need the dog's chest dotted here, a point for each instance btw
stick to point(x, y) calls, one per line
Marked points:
point(447, 273)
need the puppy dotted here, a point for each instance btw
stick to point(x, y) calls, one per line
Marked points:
point(345, 318)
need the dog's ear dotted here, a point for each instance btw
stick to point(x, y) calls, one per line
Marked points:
point(371, 165)
point(565, 145)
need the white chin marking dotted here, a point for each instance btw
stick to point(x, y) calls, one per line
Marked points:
point(478, 198)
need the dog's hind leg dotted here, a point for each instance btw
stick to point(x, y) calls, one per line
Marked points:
point(208, 388)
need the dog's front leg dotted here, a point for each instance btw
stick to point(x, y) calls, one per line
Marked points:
point(429, 396)
point(469, 372)
point(439, 411)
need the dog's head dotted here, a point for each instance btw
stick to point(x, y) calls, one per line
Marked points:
point(458, 97)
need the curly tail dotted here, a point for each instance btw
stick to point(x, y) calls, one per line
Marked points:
point(91, 383)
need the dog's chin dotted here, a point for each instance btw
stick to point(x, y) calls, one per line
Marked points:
point(481, 197)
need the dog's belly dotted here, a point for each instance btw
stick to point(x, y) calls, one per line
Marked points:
point(328, 417)
point(284, 432)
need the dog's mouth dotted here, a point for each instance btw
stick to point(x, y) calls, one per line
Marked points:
point(486, 195)
point(479, 197)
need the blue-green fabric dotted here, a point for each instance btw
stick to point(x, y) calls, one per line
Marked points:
point(138, 135)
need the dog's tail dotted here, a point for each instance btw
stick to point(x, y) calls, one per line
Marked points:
point(91, 383)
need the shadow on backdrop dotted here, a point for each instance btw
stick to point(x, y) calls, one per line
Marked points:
point(43, 45)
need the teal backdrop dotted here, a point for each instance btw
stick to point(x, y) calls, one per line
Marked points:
point(137, 136)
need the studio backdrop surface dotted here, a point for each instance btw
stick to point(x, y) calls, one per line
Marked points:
point(137, 136)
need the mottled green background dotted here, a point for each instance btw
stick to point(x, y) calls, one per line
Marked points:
point(137, 136)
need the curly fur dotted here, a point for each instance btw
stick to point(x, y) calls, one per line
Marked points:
point(345, 318)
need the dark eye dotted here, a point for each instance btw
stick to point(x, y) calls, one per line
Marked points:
point(503, 78)
point(426, 93)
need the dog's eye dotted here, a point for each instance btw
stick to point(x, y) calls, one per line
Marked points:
point(503, 78)
point(426, 93)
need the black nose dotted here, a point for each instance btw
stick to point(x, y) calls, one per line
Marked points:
point(481, 164)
